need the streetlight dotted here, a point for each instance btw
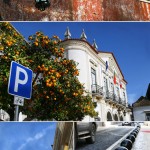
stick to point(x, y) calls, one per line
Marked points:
point(42, 4)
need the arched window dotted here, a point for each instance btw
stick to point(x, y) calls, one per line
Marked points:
point(109, 116)
point(115, 117)
point(121, 118)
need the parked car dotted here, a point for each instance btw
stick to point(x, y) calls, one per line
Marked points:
point(85, 130)
point(127, 124)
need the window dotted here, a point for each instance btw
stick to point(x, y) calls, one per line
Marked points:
point(111, 87)
point(105, 84)
point(117, 88)
point(124, 96)
point(93, 76)
point(148, 116)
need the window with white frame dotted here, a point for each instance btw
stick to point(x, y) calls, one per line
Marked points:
point(117, 91)
point(124, 96)
point(111, 87)
point(147, 114)
point(93, 76)
point(105, 84)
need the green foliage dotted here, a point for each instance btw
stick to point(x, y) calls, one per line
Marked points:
point(57, 93)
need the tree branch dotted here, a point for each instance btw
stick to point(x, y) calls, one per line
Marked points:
point(35, 78)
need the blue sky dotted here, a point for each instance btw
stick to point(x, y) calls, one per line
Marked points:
point(129, 41)
point(27, 135)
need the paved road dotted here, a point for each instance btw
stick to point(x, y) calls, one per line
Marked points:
point(105, 137)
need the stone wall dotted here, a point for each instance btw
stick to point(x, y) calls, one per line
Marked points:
point(90, 10)
point(16, 10)
point(126, 10)
point(76, 10)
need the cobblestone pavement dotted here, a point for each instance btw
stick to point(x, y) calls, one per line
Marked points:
point(142, 141)
point(105, 137)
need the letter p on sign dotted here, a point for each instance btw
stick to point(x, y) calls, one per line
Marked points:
point(20, 81)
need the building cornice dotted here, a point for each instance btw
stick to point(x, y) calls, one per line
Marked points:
point(94, 51)
point(83, 45)
point(115, 62)
point(82, 41)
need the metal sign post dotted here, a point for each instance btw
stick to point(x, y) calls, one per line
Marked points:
point(16, 113)
point(18, 101)
point(20, 85)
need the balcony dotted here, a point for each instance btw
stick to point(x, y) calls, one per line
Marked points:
point(122, 101)
point(110, 97)
point(114, 99)
point(97, 91)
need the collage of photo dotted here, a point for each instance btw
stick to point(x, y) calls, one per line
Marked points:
point(74, 75)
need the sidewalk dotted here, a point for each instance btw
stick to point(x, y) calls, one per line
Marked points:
point(142, 141)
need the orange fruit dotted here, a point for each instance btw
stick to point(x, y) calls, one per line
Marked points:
point(47, 97)
point(36, 43)
point(46, 69)
point(47, 84)
point(44, 92)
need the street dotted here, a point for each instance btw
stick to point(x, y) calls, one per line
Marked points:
point(105, 137)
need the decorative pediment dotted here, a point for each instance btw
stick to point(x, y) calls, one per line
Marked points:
point(113, 66)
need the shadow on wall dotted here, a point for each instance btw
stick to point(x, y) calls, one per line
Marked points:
point(7, 2)
point(19, 10)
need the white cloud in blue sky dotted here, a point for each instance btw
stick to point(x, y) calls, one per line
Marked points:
point(26, 136)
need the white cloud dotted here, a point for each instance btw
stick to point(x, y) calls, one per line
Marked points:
point(29, 139)
point(37, 136)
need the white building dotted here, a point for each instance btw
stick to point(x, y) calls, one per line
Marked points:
point(141, 111)
point(111, 98)
point(4, 116)
point(141, 108)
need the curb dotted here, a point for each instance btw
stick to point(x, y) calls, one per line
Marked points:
point(119, 141)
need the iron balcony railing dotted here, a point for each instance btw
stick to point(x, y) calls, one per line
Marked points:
point(96, 89)
point(122, 101)
point(115, 98)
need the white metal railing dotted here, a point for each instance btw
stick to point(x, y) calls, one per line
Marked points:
point(96, 89)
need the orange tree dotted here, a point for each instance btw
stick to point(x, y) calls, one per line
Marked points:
point(12, 47)
point(57, 93)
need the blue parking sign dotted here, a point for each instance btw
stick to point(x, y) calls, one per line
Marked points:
point(20, 80)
